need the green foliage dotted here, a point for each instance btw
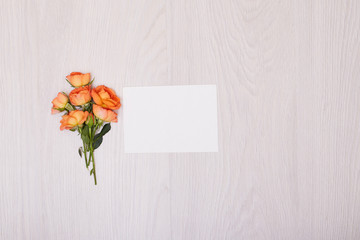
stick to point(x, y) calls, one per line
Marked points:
point(87, 107)
point(85, 134)
point(80, 151)
point(103, 131)
point(97, 143)
point(99, 137)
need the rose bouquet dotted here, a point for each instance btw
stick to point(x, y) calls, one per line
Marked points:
point(87, 110)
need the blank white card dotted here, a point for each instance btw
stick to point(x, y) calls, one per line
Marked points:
point(170, 119)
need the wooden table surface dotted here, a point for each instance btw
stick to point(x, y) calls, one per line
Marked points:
point(288, 80)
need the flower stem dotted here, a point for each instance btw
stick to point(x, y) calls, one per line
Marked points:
point(85, 151)
point(92, 135)
point(93, 162)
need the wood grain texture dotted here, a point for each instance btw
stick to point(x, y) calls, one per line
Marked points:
point(288, 81)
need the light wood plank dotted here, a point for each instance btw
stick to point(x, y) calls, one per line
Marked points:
point(288, 83)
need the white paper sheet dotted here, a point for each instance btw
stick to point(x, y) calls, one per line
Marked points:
point(170, 119)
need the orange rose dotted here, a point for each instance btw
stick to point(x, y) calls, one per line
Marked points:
point(104, 114)
point(105, 97)
point(59, 103)
point(73, 119)
point(80, 96)
point(77, 79)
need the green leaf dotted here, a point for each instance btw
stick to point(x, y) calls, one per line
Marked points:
point(89, 107)
point(69, 107)
point(85, 130)
point(91, 171)
point(97, 143)
point(85, 134)
point(85, 138)
point(80, 151)
point(103, 131)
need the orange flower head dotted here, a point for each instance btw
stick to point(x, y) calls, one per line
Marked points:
point(77, 79)
point(105, 97)
point(80, 96)
point(59, 103)
point(104, 114)
point(73, 119)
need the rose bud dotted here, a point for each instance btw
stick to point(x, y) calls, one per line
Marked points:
point(105, 97)
point(80, 96)
point(59, 103)
point(90, 121)
point(104, 114)
point(73, 119)
point(77, 79)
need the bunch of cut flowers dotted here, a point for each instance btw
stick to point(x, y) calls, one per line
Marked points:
point(89, 111)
